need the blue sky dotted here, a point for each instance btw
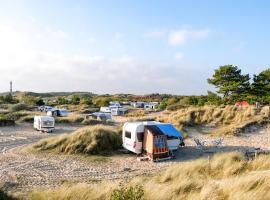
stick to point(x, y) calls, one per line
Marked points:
point(125, 46)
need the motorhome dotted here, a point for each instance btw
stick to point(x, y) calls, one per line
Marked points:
point(133, 134)
point(44, 123)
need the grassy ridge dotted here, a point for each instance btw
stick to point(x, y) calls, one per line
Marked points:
point(88, 140)
point(225, 177)
point(229, 120)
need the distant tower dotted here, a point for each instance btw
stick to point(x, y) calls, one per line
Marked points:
point(10, 89)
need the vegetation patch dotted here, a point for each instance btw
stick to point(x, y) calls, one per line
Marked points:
point(226, 176)
point(72, 118)
point(19, 107)
point(95, 140)
point(228, 120)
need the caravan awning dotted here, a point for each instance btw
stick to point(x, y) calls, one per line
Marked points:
point(169, 130)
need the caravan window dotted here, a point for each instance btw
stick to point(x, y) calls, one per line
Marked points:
point(127, 134)
point(140, 136)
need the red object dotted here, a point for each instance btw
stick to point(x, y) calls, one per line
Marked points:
point(242, 103)
point(134, 145)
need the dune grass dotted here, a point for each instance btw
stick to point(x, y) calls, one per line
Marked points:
point(92, 140)
point(229, 120)
point(71, 118)
point(227, 176)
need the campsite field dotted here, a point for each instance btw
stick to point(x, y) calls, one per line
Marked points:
point(23, 171)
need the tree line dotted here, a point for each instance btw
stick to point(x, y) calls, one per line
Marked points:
point(232, 85)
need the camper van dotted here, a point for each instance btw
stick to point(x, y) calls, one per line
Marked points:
point(44, 123)
point(133, 135)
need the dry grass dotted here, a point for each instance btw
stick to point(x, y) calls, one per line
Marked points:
point(224, 177)
point(229, 120)
point(79, 191)
point(88, 140)
point(136, 113)
point(71, 118)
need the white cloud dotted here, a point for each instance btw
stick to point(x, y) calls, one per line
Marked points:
point(181, 36)
point(179, 56)
point(35, 69)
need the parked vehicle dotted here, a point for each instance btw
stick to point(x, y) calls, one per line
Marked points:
point(105, 109)
point(116, 110)
point(58, 113)
point(45, 108)
point(99, 116)
point(151, 106)
point(133, 135)
point(44, 123)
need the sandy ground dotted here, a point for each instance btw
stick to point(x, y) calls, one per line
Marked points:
point(22, 171)
point(258, 138)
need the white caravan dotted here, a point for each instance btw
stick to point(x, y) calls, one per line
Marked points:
point(44, 123)
point(133, 135)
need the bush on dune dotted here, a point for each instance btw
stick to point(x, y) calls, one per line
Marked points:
point(88, 140)
point(19, 107)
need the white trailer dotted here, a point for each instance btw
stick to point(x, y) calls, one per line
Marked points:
point(133, 135)
point(44, 123)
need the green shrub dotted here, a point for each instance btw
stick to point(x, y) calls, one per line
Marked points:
point(5, 196)
point(15, 115)
point(128, 193)
point(19, 107)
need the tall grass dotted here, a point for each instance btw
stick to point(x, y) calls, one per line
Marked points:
point(226, 176)
point(71, 118)
point(230, 120)
point(88, 140)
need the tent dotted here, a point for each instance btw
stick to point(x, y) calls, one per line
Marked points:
point(170, 130)
point(242, 103)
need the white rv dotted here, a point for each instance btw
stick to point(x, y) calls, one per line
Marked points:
point(133, 135)
point(44, 123)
